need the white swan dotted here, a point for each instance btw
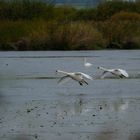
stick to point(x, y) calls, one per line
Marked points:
point(87, 64)
point(77, 76)
point(118, 72)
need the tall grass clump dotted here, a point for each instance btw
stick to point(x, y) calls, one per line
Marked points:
point(83, 35)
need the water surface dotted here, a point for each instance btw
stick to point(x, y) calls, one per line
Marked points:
point(33, 106)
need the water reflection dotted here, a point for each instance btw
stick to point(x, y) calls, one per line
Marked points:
point(79, 105)
point(115, 105)
point(2, 99)
point(24, 137)
point(107, 133)
point(85, 106)
point(135, 136)
point(2, 96)
point(70, 108)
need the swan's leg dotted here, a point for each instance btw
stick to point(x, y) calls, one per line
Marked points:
point(81, 83)
point(84, 81)
point(121, 76)
point(103, 75)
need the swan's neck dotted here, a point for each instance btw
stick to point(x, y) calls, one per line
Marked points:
point(63, 72)
point(104, 69)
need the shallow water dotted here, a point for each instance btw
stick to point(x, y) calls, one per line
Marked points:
point(34, 106)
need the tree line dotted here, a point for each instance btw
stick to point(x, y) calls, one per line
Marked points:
point(41, 25)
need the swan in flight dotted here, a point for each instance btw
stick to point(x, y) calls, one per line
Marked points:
point(117, 72)
point(87, 64)
point(77, 76)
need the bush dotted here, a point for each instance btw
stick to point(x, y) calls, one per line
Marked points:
point(25, 9)
point(121, 28)
point(12, 31)
point(105, 10)
point(84, 36)
point(37, 25)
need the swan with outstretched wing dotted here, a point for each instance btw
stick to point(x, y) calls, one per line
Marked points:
point(77, 76)
point(117, 72)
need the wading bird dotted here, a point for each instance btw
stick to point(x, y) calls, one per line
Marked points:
point(117, 72)
point(87, 64)
point(77, 76)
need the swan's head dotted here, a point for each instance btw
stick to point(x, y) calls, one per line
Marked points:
point(59, 71)
point(56, 72)
point(101, 68)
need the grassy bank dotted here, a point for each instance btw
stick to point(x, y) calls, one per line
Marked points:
point(35, 25)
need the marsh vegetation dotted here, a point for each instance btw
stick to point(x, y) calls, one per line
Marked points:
point(37, 25)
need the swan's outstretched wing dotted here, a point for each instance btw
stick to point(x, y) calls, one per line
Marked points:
point(86, 76)
point(103, 74)
point(64, 79)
